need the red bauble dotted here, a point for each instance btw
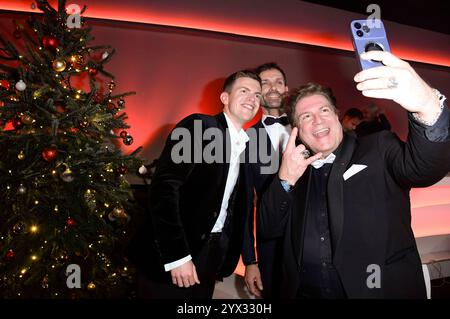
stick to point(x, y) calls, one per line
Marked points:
point(5, 84)
point(10, 254)
point(122, 170)
point(123, 134)
point(70, 222)
point(111, 106)
point(93, 71)
point(49, 154)
point(128, 140)
point(50, 42)
point(60, 108)
point(17, 123)
point(98, 97)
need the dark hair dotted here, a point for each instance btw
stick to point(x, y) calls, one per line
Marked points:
point(354, 112)
point(303, 91)
point(271, 66)
point(229, 81)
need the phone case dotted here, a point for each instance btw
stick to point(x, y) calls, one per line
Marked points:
point(368, 35)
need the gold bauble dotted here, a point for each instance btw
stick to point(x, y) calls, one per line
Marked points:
point(119, 212)
point(37, 94)
point(91, 286)
point(109, 168)
point(21, 155)
point(67, 175)
point(59, 65)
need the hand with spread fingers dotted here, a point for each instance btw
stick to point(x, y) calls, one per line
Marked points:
point(397, 81)
point(295, 160)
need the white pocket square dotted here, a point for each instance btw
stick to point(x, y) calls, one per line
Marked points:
point(354, 169)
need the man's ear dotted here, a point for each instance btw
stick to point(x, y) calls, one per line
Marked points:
point(224, 96)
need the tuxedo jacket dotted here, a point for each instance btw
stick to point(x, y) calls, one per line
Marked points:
point(185, 199)
point(369, 214)
point(261, 167)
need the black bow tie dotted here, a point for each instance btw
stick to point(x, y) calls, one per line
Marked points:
point(271, 120)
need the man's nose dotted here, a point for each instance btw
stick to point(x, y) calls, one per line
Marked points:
point(317, 119)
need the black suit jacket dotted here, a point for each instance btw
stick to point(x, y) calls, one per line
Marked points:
point(260, 170)
point(369, 214)
point(185, 199)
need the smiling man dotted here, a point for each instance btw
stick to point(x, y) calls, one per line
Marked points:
point(272, 133)
point(195, 224)
point(344, 213)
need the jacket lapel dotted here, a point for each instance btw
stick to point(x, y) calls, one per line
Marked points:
point(335, 189)
point(226, 143)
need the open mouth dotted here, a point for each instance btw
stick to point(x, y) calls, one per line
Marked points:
point(248, 107)
point(273, 95)
point(322, 132)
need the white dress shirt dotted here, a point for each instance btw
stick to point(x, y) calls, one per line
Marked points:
point(238, 142)
point(278, 134)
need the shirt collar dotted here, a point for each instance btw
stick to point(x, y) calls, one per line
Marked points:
point(240, 136)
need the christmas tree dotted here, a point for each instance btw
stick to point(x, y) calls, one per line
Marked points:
point(64, 199)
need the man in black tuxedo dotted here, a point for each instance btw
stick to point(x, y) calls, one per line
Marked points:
point(345, 211)
point(194, 229)
point(269, 137)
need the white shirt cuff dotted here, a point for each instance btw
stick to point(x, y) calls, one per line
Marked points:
point(176, 263)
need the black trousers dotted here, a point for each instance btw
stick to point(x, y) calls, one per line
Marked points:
point(207, 264)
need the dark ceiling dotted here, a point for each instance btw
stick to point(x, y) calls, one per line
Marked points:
point(426, 14)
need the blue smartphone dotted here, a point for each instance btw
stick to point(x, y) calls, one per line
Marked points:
point(368, 35)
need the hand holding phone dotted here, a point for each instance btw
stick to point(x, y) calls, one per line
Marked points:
point(368, 35)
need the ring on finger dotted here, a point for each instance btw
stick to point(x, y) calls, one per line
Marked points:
point(392, 82)
point(306, 154)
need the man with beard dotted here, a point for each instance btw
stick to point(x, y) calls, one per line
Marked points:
point(268, 139)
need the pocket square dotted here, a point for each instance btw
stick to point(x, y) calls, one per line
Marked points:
point(354, 169)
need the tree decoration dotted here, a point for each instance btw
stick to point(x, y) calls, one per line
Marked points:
point(17, 123)
point(122, 169)
point(10, 255)
point(4, 84)
point(21, 86)
point(21, 155)
point(49, 154)
point(128, 140)
point(59, 65)
point(70, 222)
point(50, 42)
point(67, 175)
